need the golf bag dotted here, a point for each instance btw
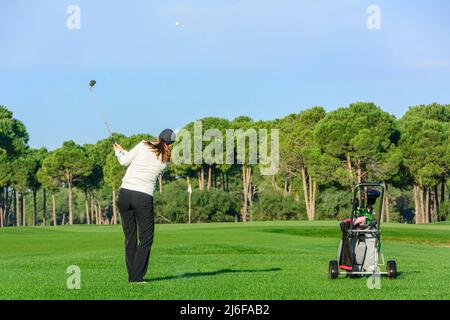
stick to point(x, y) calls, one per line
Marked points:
point(345, 253)
point(357, 252)
point(366, 253)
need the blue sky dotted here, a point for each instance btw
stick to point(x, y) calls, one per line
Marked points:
point(260, 58)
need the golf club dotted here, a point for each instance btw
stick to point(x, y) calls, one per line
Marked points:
point(100, 110)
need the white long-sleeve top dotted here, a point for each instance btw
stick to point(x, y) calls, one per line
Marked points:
point(144, 168)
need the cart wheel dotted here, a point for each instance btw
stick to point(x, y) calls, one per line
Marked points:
point(333, 270)
point(392, 269)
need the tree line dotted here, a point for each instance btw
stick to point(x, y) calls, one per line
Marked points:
point(323, 155)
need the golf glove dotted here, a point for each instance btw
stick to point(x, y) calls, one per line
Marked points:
point(119, 153)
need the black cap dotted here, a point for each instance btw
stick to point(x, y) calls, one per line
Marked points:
point(168, 136)
point(372, 196)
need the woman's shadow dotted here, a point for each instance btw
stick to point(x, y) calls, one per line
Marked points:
point(210, 274)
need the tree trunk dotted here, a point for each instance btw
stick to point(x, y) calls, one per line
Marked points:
point(285, 192)
point(310, 184)
point(313, 201)
point(54, 209)
point(305, 192)
point(97, 215)
point(358, 172)
point(208, 186)
point(69, 184)
point(208, 183)
point(1, 207)
point(245, 190)
point(222, 175)
point(18, 212)
point(93, 216)
point(14, 205)
point(45, 208)
point(274, 184)
point(24, 209)
point(114, 206)
point(427, 205)
point(8, 205)
point(436, 204)
point(249, 185)
point(226, 178)
point(34, 207)
point(86, 206)
point(386, 201)
point(421, 207)
point(202, 178)
point(100, 213)
point(4, 206)
point(1, 216)
point(416, 205)
point(350, 170)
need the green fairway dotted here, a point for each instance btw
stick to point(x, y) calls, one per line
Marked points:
point(273, 260)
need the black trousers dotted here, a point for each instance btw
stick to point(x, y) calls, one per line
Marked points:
point(136, 211)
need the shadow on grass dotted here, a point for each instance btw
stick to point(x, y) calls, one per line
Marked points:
point(402, 274)
point(210, 274)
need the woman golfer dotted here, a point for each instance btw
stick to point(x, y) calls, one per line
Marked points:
point(146, 162)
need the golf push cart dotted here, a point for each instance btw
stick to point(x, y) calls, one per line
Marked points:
point(359, 252)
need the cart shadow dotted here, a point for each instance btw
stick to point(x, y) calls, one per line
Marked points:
point(402, 274)
point(210, 274)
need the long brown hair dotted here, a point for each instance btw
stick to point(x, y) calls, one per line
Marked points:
point(161, 149)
